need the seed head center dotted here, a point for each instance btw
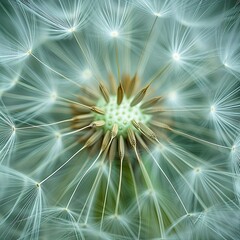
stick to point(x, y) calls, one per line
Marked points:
point(122, 114)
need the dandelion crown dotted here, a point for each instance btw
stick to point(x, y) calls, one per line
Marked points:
point(119, 119)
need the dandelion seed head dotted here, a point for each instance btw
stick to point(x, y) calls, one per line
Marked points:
point(124, 113)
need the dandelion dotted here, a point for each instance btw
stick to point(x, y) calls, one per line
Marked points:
point(119, 119)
